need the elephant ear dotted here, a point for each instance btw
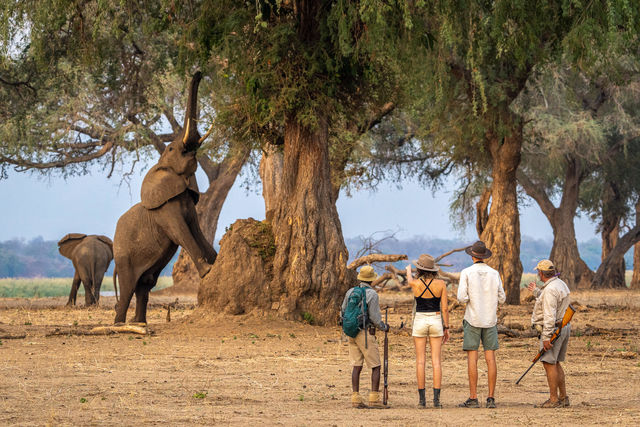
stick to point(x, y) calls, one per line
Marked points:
point(68, 243)
point(107, 241)
point(161, 184)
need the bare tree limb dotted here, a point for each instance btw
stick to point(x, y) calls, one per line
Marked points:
point(368, 259)
point(446, 254)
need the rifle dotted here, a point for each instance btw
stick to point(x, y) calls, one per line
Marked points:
point(565, 321)
point(385, 390)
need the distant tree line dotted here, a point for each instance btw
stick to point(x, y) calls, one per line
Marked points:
point(39, 258)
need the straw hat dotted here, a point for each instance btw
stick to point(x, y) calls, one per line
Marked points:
point(426, 262)
point(478, 250)
point(367, 274)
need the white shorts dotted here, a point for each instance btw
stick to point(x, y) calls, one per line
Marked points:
point(427, 325)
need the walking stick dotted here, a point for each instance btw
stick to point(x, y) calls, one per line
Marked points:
point(385, 390)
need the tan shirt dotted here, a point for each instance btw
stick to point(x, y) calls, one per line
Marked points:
point(551, 303)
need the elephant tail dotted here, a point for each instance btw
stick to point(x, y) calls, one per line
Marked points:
point(115, 285)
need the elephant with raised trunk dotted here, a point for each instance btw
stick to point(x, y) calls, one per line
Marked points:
point(91, 256)
point(148, 235)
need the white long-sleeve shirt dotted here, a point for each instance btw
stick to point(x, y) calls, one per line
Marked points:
point(481, 288)
point(551, 303)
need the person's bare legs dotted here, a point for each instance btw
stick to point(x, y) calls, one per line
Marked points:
point(420, 344)
point(375, 379)
point(562, 386)
point(552, 380)
point(355, 378)
point(436, 363)
point(472, 368)
point(492, 370)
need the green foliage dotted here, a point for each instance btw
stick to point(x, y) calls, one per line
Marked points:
point(263, 241)
point(308, 317)
point(200, 395)
point(83, 400)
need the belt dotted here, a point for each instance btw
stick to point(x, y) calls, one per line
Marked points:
point(428, 312)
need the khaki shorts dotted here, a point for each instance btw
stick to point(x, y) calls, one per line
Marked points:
point(558, 351)
point(474, 335)
point(427, 325)
point(358, 354)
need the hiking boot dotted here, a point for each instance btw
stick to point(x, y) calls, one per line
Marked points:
point(374, 400)
point(356, 400)
point(436, 398)
point(491, 403)
point(470, 403)
point(565, 402)
point(422, 402)
point(549, 404)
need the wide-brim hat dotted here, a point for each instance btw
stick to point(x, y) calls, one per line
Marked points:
point(478, 250)
point(426, 262)
point(367, 274)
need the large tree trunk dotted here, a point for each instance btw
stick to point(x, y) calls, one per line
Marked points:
point(635, 279)
point(310, 271)
point(608, 274)
point(501, 233)
point(293, 265)
point(564, 253)
point(221, 178)
point(611, 271)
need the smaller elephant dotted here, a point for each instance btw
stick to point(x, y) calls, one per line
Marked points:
point(91, 256)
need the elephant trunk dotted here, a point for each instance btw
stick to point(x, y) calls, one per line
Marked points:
point(191, 137)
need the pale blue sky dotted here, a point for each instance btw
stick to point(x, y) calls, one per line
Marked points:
point(52, 207)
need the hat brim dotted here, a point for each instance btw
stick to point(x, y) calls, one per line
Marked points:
point(367, 278)
point(420, 267)
point(486, 255)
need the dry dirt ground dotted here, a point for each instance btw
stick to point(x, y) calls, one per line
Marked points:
point(203, 369)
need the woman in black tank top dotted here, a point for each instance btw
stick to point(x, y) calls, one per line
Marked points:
point(430, 322)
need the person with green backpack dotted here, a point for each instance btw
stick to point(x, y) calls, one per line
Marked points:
point(360, 316)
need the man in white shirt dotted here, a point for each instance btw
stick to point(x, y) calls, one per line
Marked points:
point(481, 288)
point(552, 301)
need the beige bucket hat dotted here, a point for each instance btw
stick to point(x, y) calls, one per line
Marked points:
point(367, 274)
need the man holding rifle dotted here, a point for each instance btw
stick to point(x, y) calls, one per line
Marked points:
point(552, 301)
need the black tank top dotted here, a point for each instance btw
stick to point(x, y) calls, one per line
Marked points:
point(427, 305)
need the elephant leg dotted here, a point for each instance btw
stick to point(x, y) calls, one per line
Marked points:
point(174, 225)
point(210, 254)
point(127, 287)
point(97, 284)
point(145, 284)
point(75, 284)
point(89, 298)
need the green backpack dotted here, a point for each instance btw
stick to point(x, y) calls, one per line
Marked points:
point(355, 315)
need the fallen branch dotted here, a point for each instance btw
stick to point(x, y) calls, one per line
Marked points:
point(369, 259)
point(101, 330)
point(12, 337)
point(382, 278)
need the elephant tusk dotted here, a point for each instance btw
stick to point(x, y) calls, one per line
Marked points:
point(186, 134)
point(206, 135)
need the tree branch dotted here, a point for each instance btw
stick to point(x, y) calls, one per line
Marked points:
point(23, 164)
point(534, 191)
